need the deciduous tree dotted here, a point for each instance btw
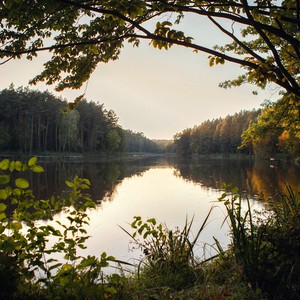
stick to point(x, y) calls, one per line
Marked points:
point(80, 34)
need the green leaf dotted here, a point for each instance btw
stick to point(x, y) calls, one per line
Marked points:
point(2, 207)
point(32, 161)
point(67, 267)
point(2, 216)
point(55, 266)
point(3, 195)
point(12, 166)
point(17, 226)
point(4, 179)
point(4, 164)
point(25, 167)
point(22, 183)
point(37, 169)
point(166, 23)
point(70, 184)
point(19, 165)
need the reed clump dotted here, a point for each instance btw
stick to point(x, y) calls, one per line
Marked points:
point(261, 262)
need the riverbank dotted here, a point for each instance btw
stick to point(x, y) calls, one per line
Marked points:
point(78, 158)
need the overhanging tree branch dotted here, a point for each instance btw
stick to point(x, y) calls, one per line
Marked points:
point(271, 47)
point(107, 25)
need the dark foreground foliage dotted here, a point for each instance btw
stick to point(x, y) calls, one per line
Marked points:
point(261, 262)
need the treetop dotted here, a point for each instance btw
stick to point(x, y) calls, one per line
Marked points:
point(81, 34)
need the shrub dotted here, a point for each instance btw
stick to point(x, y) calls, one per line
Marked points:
point(27, 270)
point(168, 261)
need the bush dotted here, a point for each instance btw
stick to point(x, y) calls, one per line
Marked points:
point(27, 270)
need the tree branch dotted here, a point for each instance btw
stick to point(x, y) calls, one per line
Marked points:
point(271, 47)
point(239, 19)
point(105, 11)
point(239, 42)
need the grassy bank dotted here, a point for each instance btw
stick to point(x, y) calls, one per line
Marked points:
point(261, 262)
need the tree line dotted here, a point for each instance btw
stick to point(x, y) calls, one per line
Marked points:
point(271, 130)
point(32, 121)
point(222, 135)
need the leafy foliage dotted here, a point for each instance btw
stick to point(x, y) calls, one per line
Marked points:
point(168, 254)
point(276, 130)
point(264, 36)
point(27, 267)
point(267, 249)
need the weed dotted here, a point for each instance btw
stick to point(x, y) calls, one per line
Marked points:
point(268, 251)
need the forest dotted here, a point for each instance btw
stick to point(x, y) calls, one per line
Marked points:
point(274, 129)
point(37, 122)
point(33, 122)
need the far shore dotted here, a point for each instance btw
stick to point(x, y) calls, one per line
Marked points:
point(86, 157)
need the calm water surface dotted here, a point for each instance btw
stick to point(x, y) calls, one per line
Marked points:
point(165, 189)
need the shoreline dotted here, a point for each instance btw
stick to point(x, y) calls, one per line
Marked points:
point(80, 158)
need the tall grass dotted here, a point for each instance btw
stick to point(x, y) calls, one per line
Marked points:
point(269, 249)
point(247, 239)
point(168, 254)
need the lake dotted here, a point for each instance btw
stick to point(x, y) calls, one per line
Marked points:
point(166, 189)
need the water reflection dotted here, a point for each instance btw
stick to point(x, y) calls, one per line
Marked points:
point(163, 188)
point(257, 178)
point(104, 177)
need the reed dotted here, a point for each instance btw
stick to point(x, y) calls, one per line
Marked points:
point(267, 248)
point(169, 259)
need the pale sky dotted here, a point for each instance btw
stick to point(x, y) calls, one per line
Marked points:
point(157, 92)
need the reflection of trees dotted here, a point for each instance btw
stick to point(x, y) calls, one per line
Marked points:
point(272, 179)
point(253, 177)
point(104, 176)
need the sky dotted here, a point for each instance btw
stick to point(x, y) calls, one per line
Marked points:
point(157, 92)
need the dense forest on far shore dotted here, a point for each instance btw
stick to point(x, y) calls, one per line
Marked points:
point(222, 135)
point(34, 122)
point(264, 132)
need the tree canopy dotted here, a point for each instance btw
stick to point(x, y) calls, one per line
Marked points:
point(222, 135)
point(264, 132)
point(80, 34)
point(36, 122)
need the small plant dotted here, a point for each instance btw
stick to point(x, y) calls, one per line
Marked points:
point(169, 260)
point(27, 268)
